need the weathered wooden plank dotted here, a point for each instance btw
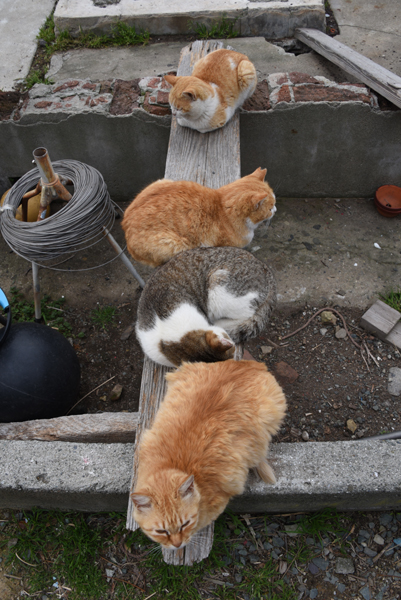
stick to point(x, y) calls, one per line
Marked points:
point(106, 428)
point(380, 319)
point(375, 76)
point(394, 337)
point(212, 159)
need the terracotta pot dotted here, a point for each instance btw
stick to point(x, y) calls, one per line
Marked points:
point(388, 200)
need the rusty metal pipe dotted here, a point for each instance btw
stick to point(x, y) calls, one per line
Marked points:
point(44, 165)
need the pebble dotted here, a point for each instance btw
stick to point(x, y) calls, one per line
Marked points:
point(313, 593)
point(321, 563)
point(278, 542)
point(344, 566)
point(305, 436)
point(370, 552)
point(378, 539)
point(365, 593)
point(323, 331)
point(238, 578)
point(341, 334)
point(266, 349)
point(385, 519)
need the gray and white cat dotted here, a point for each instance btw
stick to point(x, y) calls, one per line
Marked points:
point(201, 303)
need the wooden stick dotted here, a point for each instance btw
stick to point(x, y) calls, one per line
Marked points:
point(375, 76)
point(106, 428)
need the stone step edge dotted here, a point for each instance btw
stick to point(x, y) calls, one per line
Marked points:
point(118, 97)
point(351, 475)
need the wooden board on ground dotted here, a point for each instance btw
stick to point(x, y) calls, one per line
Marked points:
point(102, 428)
point(375, 76)
point(380, 319)
point(212, 159)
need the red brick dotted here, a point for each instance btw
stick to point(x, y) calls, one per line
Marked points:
point(125, 97)
point(89, 86)
point(165, 85)
point(260, 98)
point(285, 373)
point(43, 104)
point(313, 93)
point(284, 94)
point(101, 99)
point(154, 109)
point(283, 79)
point(155, 82)
point(296, 77)
point(162, 97)
point(152, 99)
point(68, 84)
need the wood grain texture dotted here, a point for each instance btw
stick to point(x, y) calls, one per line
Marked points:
point(211, 159)
point(106, 428)
point(375, 76)
point(380, 319)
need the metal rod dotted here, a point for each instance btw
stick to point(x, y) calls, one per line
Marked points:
point(44, 165)
point(395, 435)
point(36, 293)
point(124, 258)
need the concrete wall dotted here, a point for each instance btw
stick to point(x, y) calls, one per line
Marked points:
point(321, 149)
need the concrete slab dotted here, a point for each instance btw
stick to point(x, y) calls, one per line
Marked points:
point(19, 25)
point(157, 59)
point(371, 28)
point(359, 475)
point(270, 18)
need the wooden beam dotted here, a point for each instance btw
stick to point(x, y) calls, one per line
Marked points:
point(212, 159)
point(105, 428)
point(373, 75)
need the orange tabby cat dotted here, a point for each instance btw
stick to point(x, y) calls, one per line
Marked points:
point(215, 423)
point(219, 84)
point(170, 216)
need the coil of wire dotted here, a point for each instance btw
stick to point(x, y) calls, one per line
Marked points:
point(80, 224)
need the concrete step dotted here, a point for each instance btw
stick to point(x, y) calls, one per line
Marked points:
point(362, 475)
point(269, 18)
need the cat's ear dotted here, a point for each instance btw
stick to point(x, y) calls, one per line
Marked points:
point(142, 503)
point(171, 79)
point(187, 488)
point(258, 200)
point(189, 95)
point(221, 344)
point(259, 173)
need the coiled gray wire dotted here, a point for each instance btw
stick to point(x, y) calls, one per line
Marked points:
point(80, 224)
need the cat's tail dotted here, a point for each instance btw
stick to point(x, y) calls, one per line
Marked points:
point(242, 331)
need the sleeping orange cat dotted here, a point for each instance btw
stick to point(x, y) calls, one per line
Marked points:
point(214, 424)
point(168, 217)
point(219, 84)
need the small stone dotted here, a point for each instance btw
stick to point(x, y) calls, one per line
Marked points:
point(238, 578)
point(365, 593)
point(267, 546)
point(278, 542)
point(313, 569)
point(351, 425)
point(266, 349)
point(321, 563)
point(328, 318)
point(305, 436)
point(341, 334)
point(371, 553)
point(394, 381)
point(385, 519)
point(344, 566)
point(341, 588)
point(378, 539)
point(313, 593)
point(116, 392)
point(109, 573)
point(291, 529)
point(285, 373)
point(323, 331)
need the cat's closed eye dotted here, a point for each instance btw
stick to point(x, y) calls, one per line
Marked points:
point(184, 525)
point(162, 531)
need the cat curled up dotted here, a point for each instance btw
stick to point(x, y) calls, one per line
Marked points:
point(168, 217)
point(201, 303)
point(214, 424)
point(208, 98)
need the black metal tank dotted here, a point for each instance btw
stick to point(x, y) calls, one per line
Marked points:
point(39, 371)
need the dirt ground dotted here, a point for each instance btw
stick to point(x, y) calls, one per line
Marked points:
point(326, 380)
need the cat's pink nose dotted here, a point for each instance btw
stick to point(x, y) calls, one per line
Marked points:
point(176, 542)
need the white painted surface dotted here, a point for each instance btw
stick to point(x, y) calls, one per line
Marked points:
point(20, 21)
